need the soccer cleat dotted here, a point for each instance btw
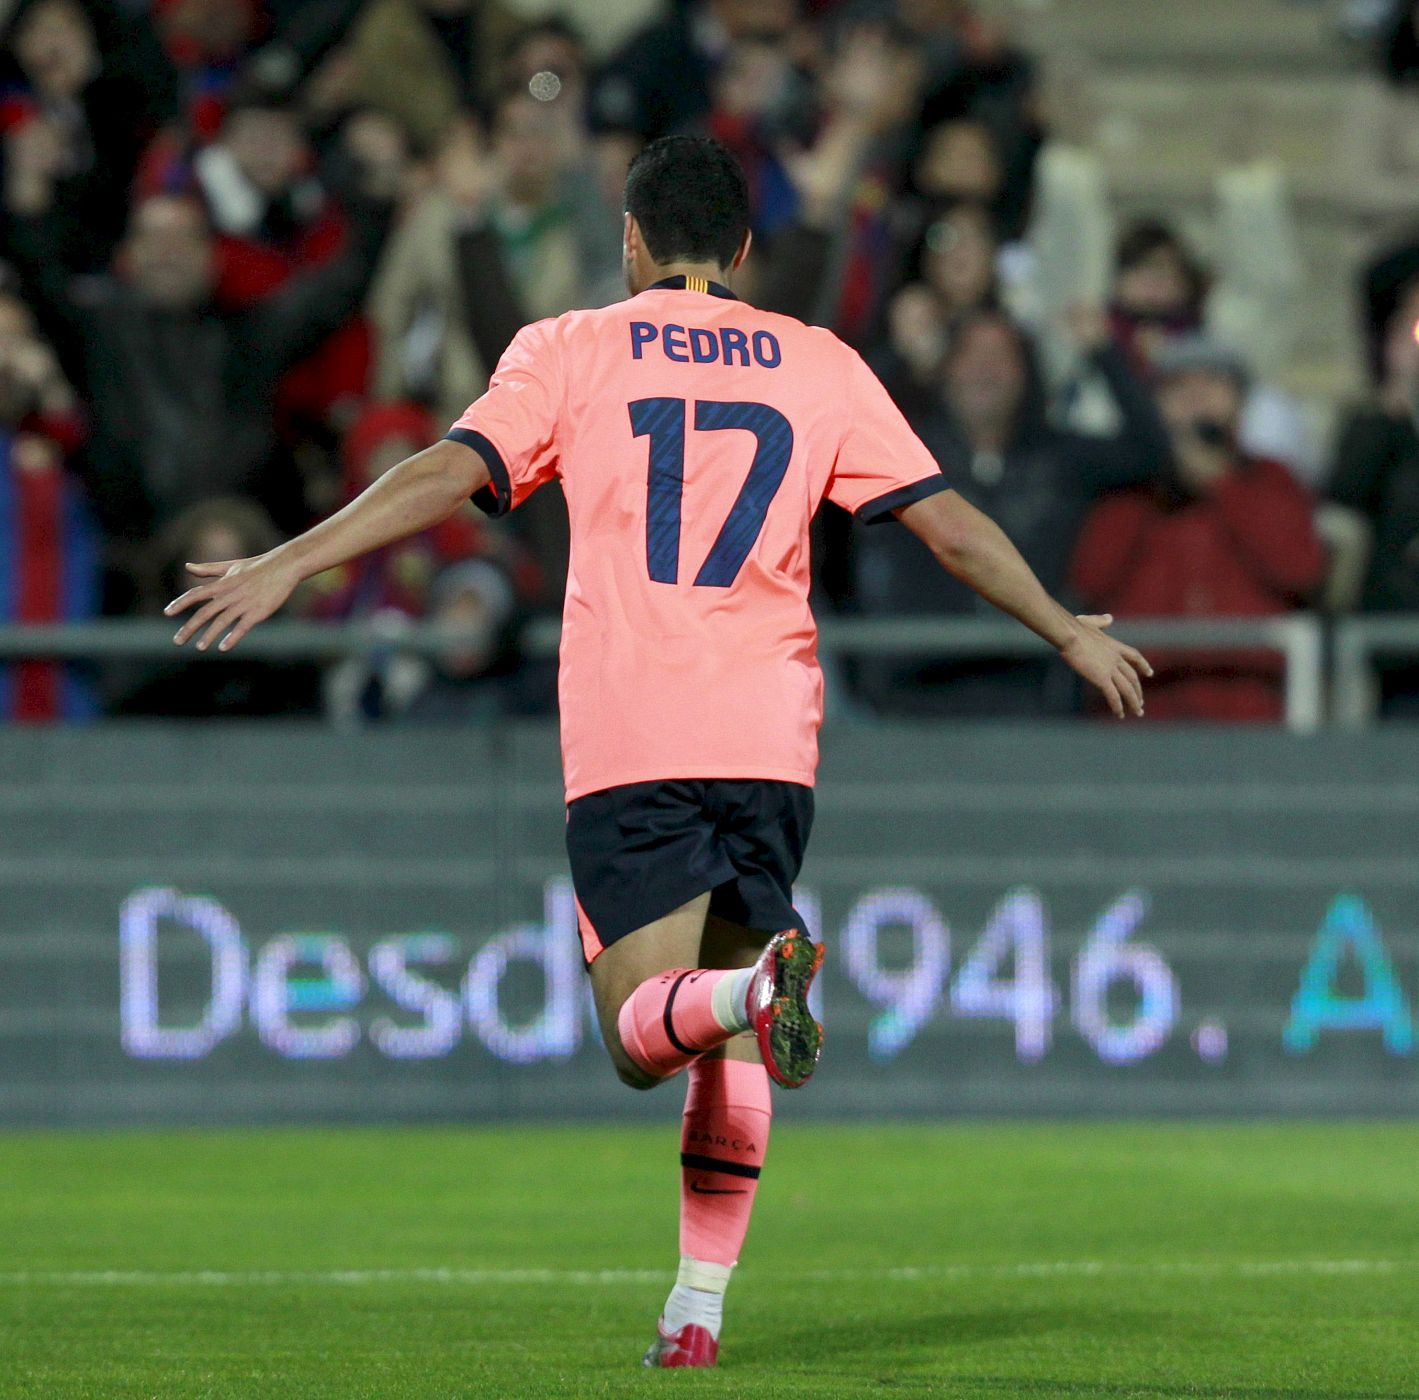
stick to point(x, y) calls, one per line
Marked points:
point(790, 1040)
point(690, 1346)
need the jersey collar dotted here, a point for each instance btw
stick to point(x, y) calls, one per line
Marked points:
point(681, 283)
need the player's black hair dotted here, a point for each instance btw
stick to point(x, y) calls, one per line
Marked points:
point(690, 198)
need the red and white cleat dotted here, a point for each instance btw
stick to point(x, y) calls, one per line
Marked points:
point(790, 1040)
point(690, 1346)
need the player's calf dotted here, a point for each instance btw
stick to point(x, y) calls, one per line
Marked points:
point(723, 1140)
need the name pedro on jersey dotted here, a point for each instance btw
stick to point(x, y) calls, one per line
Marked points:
point(694, 345)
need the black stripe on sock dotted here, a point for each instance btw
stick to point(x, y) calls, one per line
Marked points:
point(718, 1164)
point(669, 1022)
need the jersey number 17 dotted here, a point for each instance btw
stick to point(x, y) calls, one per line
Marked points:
point(663, 422)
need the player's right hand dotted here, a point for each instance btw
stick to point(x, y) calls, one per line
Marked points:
point(1115, 668)
point(242, 592)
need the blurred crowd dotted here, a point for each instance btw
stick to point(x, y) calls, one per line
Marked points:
point(256, 251)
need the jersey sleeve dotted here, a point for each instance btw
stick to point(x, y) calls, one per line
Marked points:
point(881, 464)
point(514, 425)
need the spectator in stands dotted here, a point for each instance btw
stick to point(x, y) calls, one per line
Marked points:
point(553, 46)
point(956, 197)
point(208, 43)
point(523, 217)
point(181, 390)
point(557, 237)
point(839, 257)
point(268, 207)
point(762, 104)
point(986, 425)
point(1162, 291)
point(390, 587)
point(958, 257)
point(87, 89)
point(181, 687)
point(955, 273)
point(275, 216)
point(1376, 472)
point(420, 62)
point(959, 162)
point(34, 394)
point(483, 679)
point(1159, 289)
point(974, 73)
point(397, 579)
point(661, 82)
point(398, 585)
point(550, 45)
point(1249, 297)
point(513, 232)
point(1218, 533)
point(49, 569)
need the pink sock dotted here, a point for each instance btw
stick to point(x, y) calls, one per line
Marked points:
point(722, 1145)
point(669, 1019)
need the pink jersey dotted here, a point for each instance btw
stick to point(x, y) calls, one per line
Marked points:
point(694, 437)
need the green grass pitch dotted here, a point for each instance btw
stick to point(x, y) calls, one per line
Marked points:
point(961, 1260)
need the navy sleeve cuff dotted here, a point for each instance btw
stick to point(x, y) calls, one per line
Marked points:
point(875, 512)
point(497, 499)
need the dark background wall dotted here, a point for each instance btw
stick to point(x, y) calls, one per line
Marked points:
point(252, 924)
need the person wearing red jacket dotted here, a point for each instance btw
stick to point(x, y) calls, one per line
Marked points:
point(49, 549)
point(1221, 534)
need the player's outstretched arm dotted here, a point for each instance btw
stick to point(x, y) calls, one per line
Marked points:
point(977, 551)
point(421, 491)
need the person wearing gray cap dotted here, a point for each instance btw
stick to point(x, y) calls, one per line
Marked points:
point(1199, 353)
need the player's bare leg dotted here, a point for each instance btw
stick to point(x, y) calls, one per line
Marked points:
point(671, 944)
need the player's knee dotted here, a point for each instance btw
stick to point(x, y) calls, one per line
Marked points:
point(634, 1078)
point(630, 1073)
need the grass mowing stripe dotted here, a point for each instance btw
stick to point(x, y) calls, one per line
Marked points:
point(1062, 1268)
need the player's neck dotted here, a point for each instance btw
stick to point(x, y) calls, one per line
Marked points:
point(710, 271)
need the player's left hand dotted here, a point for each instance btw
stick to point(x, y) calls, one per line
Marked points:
point(242, 593)
point(1105, 662)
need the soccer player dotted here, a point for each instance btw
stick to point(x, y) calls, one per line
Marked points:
point(694, 437)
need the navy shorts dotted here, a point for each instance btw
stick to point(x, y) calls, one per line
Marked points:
point(640, 851)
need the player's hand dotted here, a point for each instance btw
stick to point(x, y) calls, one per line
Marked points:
point(242, 592)
point(1116, 669)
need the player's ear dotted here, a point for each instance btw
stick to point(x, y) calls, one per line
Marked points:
point(743, 252)
point(630, 237)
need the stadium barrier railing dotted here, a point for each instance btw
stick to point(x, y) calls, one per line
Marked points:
point(1299, 639)
point(1358, 644)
